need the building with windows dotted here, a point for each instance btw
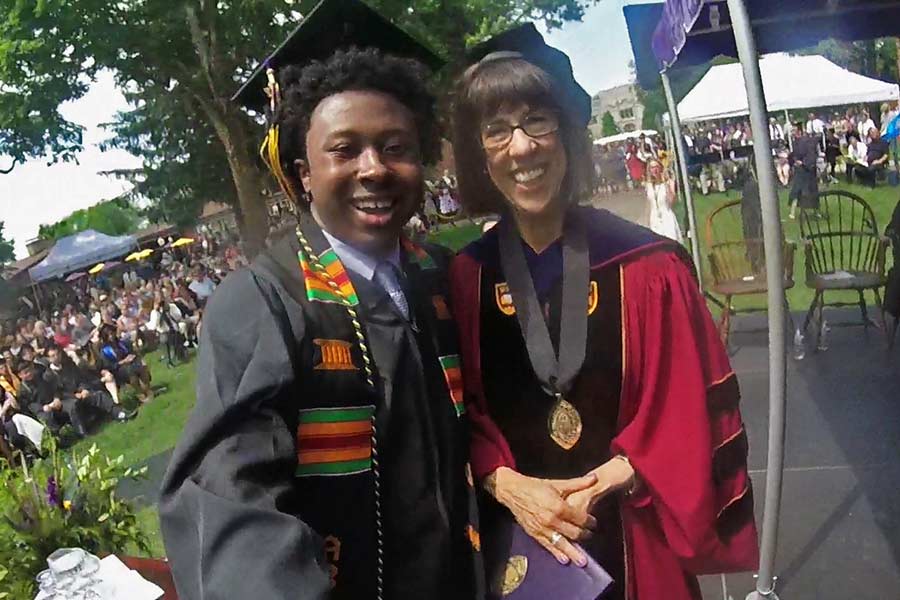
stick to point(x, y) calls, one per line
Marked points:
point(622, 103)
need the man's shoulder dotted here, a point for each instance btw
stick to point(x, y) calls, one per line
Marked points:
point(612, 239)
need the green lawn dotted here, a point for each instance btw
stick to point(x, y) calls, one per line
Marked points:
point(882, 200)
point(455, 236)
point(158, 424)
point(154, 430)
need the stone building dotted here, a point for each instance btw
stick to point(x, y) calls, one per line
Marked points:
point(622, 103)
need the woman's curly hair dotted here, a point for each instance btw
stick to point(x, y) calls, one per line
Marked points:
point(303, 88)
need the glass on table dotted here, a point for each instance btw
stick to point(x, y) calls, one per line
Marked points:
point(46, 585)
point(73, 572)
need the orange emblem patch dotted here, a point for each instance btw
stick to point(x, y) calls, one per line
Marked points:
point(335, 356)
point(504, 299)
point(593, 298)
point(506, 306)
point(440, 308)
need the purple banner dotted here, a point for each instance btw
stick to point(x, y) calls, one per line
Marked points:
point(677, 19)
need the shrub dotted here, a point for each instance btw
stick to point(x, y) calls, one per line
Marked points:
point(62, 501)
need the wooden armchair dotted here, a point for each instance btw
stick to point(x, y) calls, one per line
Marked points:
point(737, 260)
point(844, 251)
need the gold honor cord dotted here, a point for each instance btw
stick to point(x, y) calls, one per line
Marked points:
point(271, 156)
point(269, 150)
point(370, 379)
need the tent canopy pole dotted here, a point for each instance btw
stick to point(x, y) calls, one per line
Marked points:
point(772, 240)
point(788, 130)
point(681, 157)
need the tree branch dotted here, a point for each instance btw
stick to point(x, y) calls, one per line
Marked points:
point(216, 116)
point(211, 14)
point(201, 45)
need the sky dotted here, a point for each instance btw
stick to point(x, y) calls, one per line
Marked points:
point(35, 193)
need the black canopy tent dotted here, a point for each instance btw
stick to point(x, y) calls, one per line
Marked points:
point(692, 32)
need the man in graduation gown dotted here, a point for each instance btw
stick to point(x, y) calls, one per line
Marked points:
point(326, 456)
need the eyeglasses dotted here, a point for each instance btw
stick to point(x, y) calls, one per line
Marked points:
point(497, 135)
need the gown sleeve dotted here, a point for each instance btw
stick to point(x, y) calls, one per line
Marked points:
point(680, 424)
point(489, 449)
point(230, 483)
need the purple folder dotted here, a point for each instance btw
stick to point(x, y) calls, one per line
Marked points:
point(519, 568)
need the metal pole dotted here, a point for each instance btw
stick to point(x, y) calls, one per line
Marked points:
point(673, 153)
point(788, 130)
point(681, 155)
point(34, 292)
point(772, 240)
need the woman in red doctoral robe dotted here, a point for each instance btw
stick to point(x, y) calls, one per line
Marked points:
point(644, 446)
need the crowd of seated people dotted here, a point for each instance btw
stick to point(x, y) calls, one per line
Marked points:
point(68, 367)
point(851, 142)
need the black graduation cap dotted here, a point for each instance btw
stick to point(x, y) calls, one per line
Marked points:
point(330, 26)
point(526, 42)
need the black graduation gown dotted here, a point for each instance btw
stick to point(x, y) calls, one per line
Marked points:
point(805, 188)
point(248, 509)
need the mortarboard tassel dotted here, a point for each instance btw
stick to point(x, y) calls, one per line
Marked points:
point(269, 150)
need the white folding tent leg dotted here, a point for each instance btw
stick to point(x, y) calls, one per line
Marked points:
point(789, 130)
point(681, 156)
point(765, 168)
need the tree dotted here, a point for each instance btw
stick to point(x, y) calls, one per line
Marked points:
point(113, 217)
point(873, 58)
point(183, 61)
point(7, 250)
point(608, 125)
point(42, 64)
point(184, 165)
point(683, 81)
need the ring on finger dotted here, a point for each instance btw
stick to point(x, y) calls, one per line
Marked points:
point(555, 538)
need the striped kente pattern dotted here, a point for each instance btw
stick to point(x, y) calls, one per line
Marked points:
point(418, 254)
point(317, 288)
point(453, 374)
point(334, 441)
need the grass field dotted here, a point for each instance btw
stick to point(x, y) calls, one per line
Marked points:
point(158, 424)
point(155, 430)
point(882, 200)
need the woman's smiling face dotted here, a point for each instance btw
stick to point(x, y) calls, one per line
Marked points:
point(530, 169)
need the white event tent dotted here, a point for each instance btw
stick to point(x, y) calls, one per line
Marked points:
point(790, 82)
point(621, 137)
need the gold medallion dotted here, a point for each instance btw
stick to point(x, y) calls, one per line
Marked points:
point(564, 424)
point(514, 575)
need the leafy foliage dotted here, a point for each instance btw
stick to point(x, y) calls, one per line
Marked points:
point(62, 502)
point(7, 251)
point(184, 165)
point(43, 62)
point(113, 217)
point(179, 65)
point(608, 125)
point(872, 58)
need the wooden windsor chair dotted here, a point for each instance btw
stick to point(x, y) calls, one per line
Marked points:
point(737, 260)
point(844, 251)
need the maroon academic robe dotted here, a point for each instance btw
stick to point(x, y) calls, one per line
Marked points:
point(678, 419)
